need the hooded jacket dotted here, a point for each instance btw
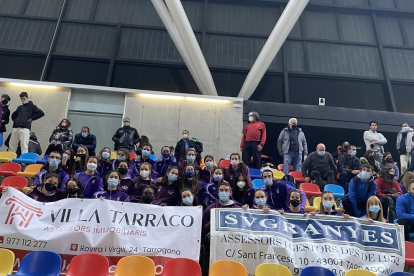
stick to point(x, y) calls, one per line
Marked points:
point(25, 112)
point(360, 193)
point(405, 207)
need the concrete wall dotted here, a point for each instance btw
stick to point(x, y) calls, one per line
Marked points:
point(219, 126)
point(53, 102)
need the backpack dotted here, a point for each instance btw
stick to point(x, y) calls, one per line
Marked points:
point(355, 179)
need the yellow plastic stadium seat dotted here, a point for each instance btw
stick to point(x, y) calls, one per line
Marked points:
point(135, 266)
point(31, 170)
point(277, 175)
point(359, 272)
point(272, 270)
point(7, 156)
point(114, 155)
point(7, 262)
point(309, 208)
point(227, 268)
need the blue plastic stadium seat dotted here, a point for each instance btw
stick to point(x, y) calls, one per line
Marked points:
point(258, 183)
point(401, 274)
point(337, 190)
point(27, 158)
point(316, 270)
point(43, 161)
point(43, 263)
point(255, 173)
point(153, 157)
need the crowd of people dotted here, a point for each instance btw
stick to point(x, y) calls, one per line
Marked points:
point(374, 188)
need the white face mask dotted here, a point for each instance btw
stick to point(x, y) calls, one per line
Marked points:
point(241, 184)
point(91, 166)
point(144, 174)
point(185, 136)
point(250, 118)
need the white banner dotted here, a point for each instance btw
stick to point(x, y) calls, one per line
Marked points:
point(114, 229)
point(253, 237)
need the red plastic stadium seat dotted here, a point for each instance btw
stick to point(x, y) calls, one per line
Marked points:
point(409, 253)
point(280, 167)
point(88, 264)
point(310, 189)
point(181, 266)
point(17, 182)
point(8, 169)
point(224, 164)
point(298, 177)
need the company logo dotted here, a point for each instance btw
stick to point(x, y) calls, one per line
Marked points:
point(73, 247)
point(22, 210)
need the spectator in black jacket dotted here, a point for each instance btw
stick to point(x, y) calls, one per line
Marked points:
point(22, 118)
point(61, 138)
point(85, 138)
point(182, 147)
point(5, 115)
point(126, 137)
point(349, 166)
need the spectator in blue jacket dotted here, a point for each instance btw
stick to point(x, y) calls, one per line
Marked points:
point(87, 139)
point(405, 211)
point(163, 163)
point(277, 193)
point(360, 189)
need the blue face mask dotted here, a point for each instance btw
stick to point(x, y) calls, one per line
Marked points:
point(224, 197)
point(54, 162)
point(353, 153)
point(26, 102)
point(121, 158)
point(112, 182)
point(365, 175)
point(217, 177)
point(84, 134)
point(328, 204)
point(188, 200)
point(166, 154)
point(404, 128)
point(268, 181)
point(67, 156)
point(190, 159)
point(172, 177)
point(189, 174)
point(374, 208)
point(106, 155)
point(321, 153)
point(260, 201)
point(146, 153)
point(209, 164)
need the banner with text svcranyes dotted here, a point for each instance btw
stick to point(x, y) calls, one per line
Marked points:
point(296, 241)
point(114, 229)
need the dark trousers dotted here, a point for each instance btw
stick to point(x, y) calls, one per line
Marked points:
point(249, 150)
point(344, 178)
point(320, 176)
point(53, 147)
point(388, 208)
point(349, 209)
point(407, 228)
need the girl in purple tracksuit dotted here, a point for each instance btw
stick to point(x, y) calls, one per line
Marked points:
point(294, 203)
point(105, 164)
point(143, 178)
point(242, 194)
point(190, 181)
point(235, 169)
point(90, 180)
point(113, 179)
point(126, 184)
point(209, 194)
point(168, 189)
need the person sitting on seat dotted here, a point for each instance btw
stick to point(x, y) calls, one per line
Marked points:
point(319, 166)
point(53, 165)
point(405, 211)
point(112, 192)
point(374, 210)
point(388, 190)
point(360, 189)
point(349, 166)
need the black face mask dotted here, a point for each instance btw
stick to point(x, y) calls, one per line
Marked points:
point(50, 187)
point(392, 176)
point(295, 202)
point(82, 155)
point(147, 199)
point(73, 191)
point(389, 160)
point(4, 102)
point(122, 171)
point(371, 157)
point(294, 126)
point(346, 147)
